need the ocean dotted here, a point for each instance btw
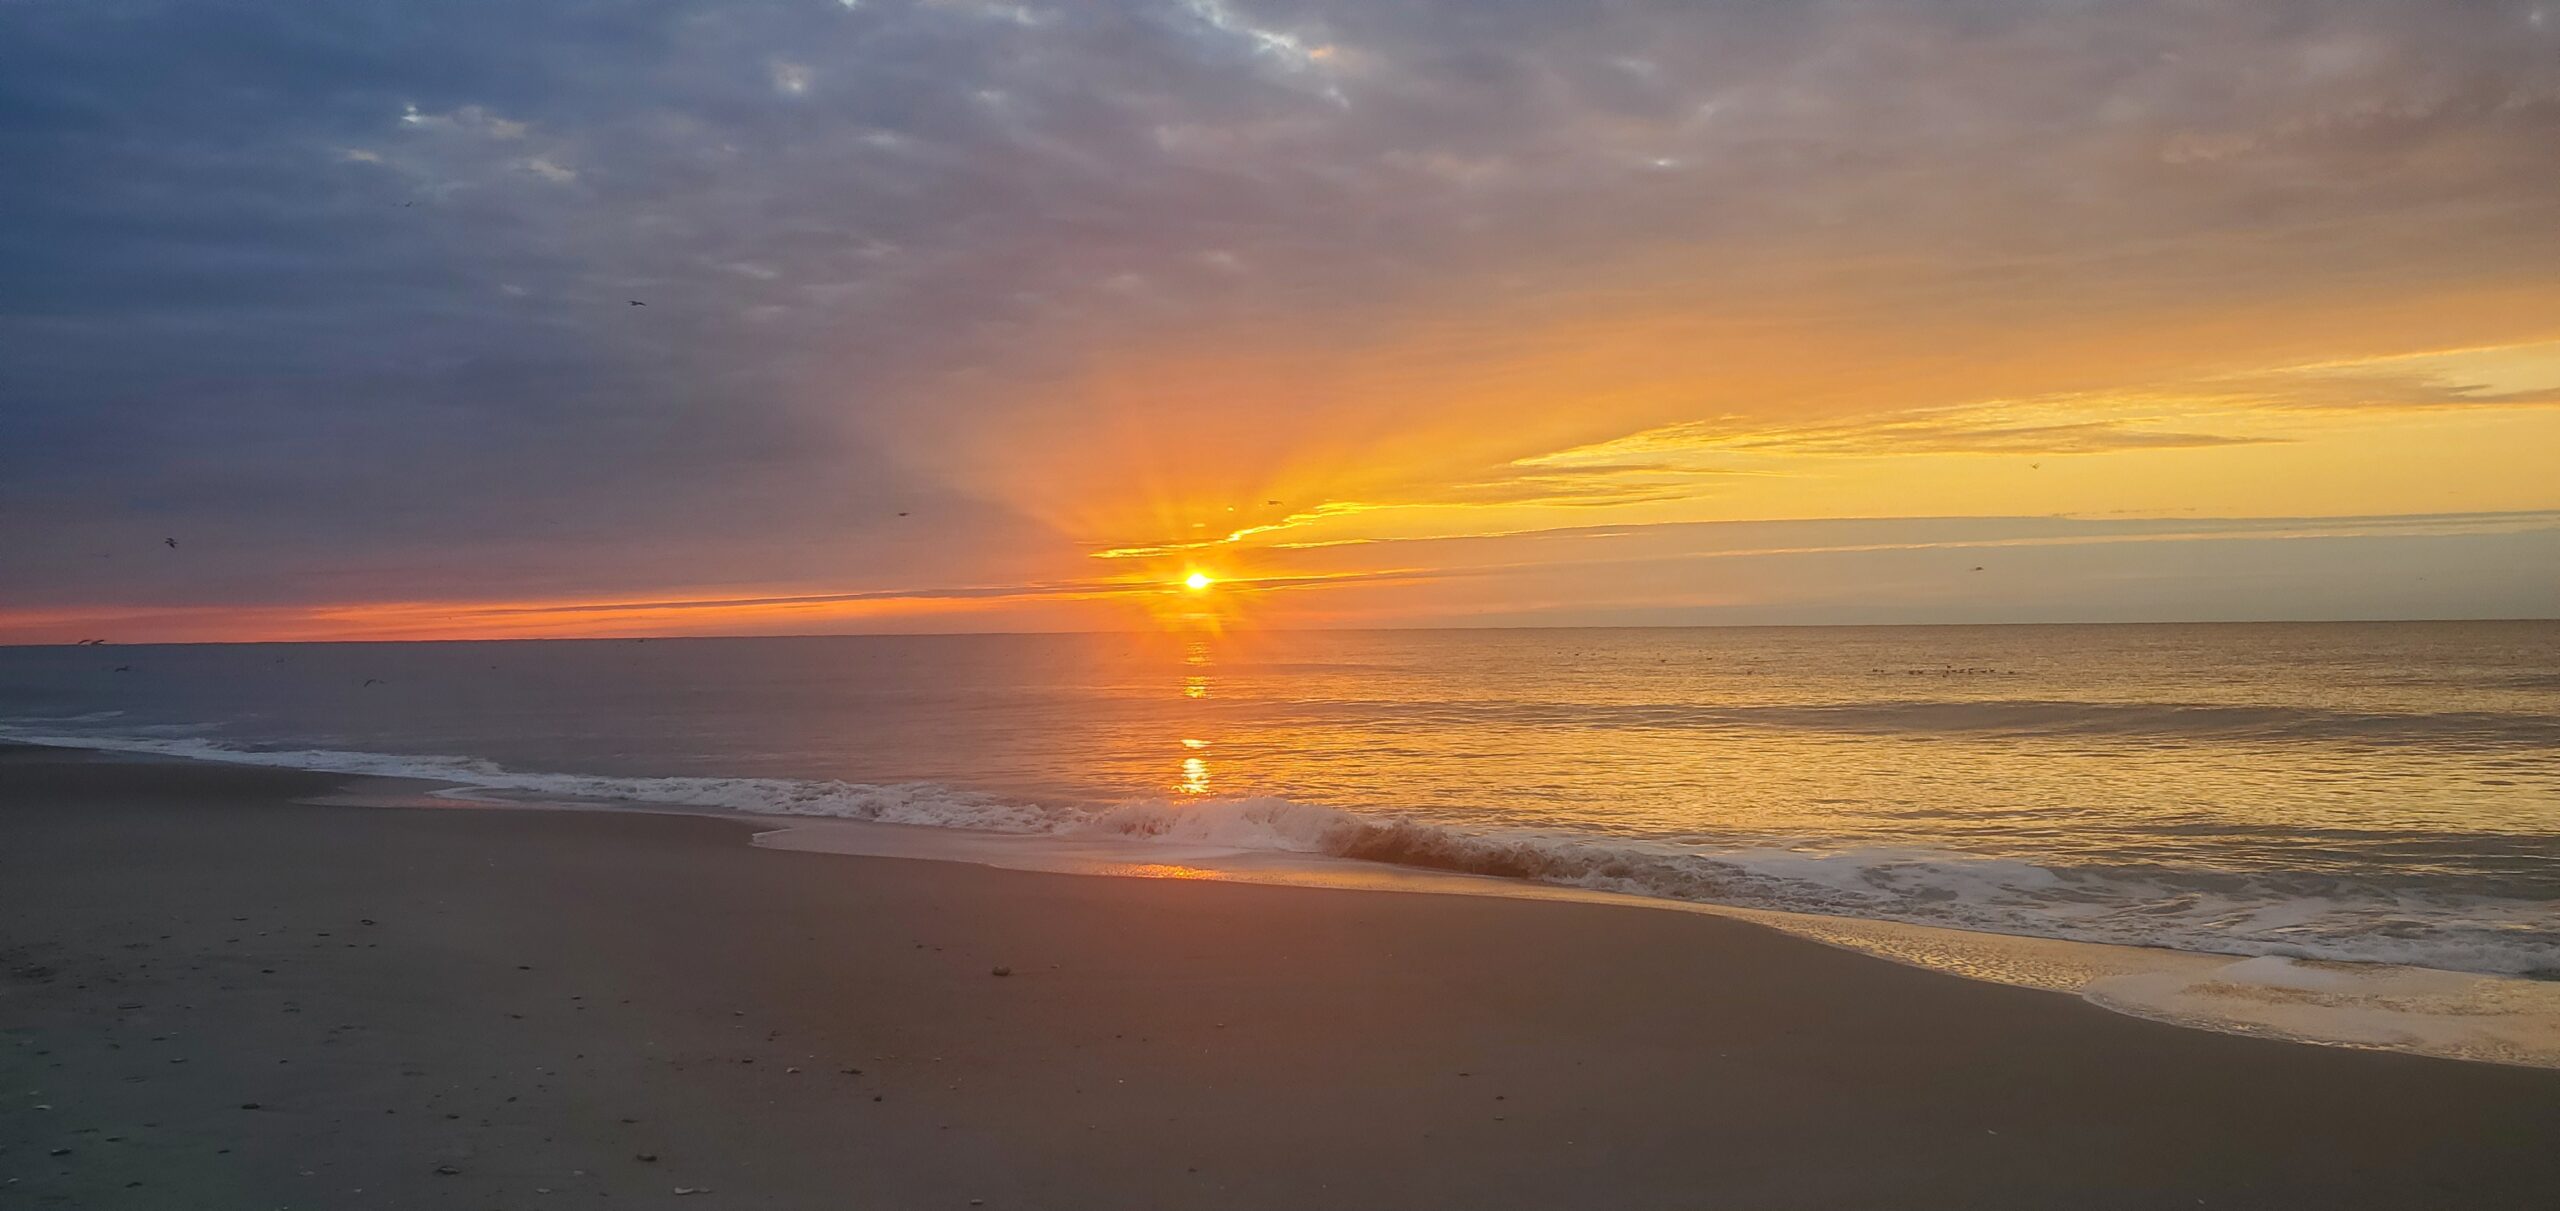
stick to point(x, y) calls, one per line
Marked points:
point(2366, 792)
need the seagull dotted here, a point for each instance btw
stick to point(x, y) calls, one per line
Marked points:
point(124, 668)
point(173, 543)
point(638, 303)
point(371, 681)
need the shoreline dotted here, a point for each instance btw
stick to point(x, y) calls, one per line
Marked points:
point(535, 1000)
point(2471, 1016)
point(2378, 1006)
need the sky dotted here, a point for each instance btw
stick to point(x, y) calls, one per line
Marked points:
point(575, 317)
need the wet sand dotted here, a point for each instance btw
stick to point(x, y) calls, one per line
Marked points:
point(212, 996)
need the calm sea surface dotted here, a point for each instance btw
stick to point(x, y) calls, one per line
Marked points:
point(2384, 791)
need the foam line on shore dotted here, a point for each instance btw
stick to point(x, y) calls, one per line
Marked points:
point(2301, 915)
point(2467, 1015)
point(2453, 1015)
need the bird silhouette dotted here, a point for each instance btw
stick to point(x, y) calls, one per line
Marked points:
point(371, 681)
point(173, 543)
point(124, 668)
point(1977, 567)
point(638, 303)
point(902, 513)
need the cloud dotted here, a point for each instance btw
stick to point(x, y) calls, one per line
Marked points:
point(2135, 417)
point(1958, 434)
point(468, 119)
point(2502, 376)
point(351, 289)
point(543, 167)
point(992, 10)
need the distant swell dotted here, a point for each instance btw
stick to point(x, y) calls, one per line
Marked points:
point(2288, 913)
point(2175, 722)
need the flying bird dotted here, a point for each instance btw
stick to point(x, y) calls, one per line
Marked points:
point(173, 543)
point(1977, 567)
point(371, 681)
point(638, 303)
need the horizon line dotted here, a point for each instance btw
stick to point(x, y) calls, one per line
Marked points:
point(1638, 626)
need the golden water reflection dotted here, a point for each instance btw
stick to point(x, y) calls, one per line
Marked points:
point(1195, 686)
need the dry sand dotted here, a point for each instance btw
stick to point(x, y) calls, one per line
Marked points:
point(213, 997)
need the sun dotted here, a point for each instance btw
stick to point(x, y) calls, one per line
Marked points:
point(1197, 581)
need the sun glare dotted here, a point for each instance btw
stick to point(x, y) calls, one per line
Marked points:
point(1197, 581)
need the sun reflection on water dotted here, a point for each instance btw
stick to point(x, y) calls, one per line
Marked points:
point(1195, 686)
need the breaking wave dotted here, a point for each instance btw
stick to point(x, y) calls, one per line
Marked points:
point(2206, 911)
point(2279, 913)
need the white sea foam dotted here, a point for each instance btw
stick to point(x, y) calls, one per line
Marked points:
point(2362, 1005)
point(2459, 1015)
point(2425, 984)
point(895, 803)
point(2207, 912)
point(1259, 822)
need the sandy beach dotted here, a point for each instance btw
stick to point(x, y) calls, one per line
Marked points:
point(214, 996)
